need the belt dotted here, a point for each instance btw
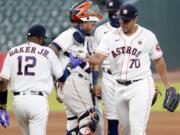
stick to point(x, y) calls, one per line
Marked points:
point(39, 93)
point(107, 71)
point(126, 83)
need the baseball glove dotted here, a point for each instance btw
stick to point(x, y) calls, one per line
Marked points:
point(171, 100)
point(157, 92)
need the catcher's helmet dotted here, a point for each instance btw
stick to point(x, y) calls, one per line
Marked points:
point(81, 12)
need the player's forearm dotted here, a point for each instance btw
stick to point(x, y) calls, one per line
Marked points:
point(3, 93)
point(66, 73)
point(96, 59)
point(97, 68)
point(162, 70)
point(55, 47)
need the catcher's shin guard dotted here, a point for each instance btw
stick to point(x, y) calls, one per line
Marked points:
point(75, 130)
point(90, 127)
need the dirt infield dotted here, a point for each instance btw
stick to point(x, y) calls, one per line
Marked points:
point(159, 124)
point(173, 75)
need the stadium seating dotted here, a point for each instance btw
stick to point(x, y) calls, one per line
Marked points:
point(16, 16)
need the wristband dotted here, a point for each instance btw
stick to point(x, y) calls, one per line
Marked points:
point(95, 76)
point(3, 97)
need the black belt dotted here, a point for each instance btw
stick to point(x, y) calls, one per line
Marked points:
point(107, 71)
point(29, 92)
point(126, 83)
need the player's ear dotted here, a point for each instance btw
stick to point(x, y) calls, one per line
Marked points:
point(135, 19)
point(41, 40)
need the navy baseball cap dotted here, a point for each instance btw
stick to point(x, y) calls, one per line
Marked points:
point(113, 4)
point(37, 31)
point(128, 12)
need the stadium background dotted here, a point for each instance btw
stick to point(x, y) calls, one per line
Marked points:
point(160, 16)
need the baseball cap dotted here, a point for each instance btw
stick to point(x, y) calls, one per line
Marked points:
point(128, 12)
point(113, 4)
point(37, 31)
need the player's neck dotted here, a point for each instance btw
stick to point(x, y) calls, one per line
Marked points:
point(132, 31)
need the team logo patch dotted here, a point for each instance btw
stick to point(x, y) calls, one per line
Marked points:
point(158, 48)
point(125, 11)
point(110, 4)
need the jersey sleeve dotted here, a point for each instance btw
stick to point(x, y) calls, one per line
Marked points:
point(155, 50)
point(104, 46)
point(96, 38)
point(64, 40)
point(56, 65)
point(7, 68)
point(91, 44)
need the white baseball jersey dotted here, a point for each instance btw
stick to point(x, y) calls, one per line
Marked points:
point(75, 92)
point(130, 55)
point(98, 35)
point(66, 41)
point(31, 67)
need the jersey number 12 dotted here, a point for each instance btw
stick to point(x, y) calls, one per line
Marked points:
point(30, 62)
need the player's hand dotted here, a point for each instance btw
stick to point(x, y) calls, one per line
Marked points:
point(157, 92)
point(74, 61)
point(83, 56)
point(97, 90)
point(4, 118)
point(58, 87)
point(59, 99)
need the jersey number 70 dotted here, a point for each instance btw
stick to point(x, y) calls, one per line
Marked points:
point(135, 63)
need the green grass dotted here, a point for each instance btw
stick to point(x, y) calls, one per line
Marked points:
point(55, 106)
point(158, 106)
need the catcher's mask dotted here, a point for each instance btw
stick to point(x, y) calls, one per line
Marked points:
point(81, 12)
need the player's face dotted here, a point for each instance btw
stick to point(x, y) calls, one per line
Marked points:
point(89, 27)
point(128, 26)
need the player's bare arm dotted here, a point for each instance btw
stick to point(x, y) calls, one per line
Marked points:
point(171, 99)
point(96, 80)
point(96, 58)
point(160, 66)
point(3, 84)
point(3, 93)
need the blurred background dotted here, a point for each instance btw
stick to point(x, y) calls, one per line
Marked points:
point(16, 16)
point(160, 16)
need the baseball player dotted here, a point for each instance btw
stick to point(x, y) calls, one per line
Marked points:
point(131, 49)
point(79, 107)
point(29, 68)
point(113, 24)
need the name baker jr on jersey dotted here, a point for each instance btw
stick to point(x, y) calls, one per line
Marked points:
point(125, 49)
point(28, 49)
